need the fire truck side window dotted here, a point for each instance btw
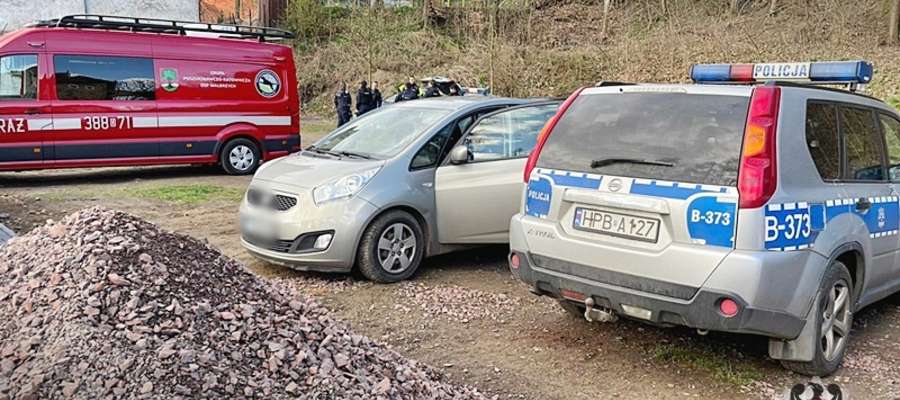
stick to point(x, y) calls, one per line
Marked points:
point(103, 78)
point(18, 77)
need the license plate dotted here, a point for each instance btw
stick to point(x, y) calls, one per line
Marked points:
point(781, 71)
point(258, 228)
point(615, 224)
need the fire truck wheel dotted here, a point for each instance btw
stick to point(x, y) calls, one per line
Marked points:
point(240, 157)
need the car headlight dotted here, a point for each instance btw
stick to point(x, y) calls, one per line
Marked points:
point(343, 187)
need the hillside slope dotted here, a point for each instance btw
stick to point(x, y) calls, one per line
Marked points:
point(554, 48)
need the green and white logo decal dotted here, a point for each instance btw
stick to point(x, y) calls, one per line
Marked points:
point(267, 83)
point(169, 79)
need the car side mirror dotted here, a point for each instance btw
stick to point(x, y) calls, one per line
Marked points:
point(459, 155)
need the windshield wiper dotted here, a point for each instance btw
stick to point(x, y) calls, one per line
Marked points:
point(609, 161)
point(354, 154)
point(323, 151)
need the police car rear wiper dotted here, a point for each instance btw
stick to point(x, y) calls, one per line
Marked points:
point(609, 161)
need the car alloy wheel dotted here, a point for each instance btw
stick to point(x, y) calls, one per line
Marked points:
point(241, 157)
point(835, 320)
point(396, 248)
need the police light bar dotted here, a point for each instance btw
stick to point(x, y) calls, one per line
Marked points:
point(837, 72)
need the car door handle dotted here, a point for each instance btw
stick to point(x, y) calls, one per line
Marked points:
point(33, 111)
point(863, 204)
point(428, 184)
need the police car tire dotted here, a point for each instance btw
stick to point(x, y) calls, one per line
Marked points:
point(367, 256)
point(230, 145)
point(820, 366)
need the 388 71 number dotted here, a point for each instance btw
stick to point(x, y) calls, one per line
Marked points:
point(103, 122)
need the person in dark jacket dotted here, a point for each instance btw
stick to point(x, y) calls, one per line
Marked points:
point(408, 91)
point(342, 102)
point(365, 99)
point(432, 90)
point(376, 95)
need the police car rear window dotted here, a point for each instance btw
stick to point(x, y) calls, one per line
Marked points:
point(668, 136)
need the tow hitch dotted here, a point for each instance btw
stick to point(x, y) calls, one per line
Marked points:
point(602, 314)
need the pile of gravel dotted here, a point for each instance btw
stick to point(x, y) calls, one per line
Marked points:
point(105, 305)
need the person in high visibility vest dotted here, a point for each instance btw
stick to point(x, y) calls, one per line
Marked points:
point(408, 90)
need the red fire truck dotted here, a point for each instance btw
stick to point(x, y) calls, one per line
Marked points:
point(90, 90)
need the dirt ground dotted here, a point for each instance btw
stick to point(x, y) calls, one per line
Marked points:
point(464, 314)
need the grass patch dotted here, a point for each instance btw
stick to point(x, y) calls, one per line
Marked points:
point(187, 194)
point(721, 366)
point(313, 129)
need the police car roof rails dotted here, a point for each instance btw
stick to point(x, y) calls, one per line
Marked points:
point(853, 75)
point(155, 25)
point(613, 83)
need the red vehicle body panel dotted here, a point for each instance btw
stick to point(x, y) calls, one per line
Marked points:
point(215, 97)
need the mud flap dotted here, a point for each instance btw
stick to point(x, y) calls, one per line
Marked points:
point(803, 348)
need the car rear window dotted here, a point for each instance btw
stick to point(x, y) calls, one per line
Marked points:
point(697, 136)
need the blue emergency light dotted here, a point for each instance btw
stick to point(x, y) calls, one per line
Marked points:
point(838, 72)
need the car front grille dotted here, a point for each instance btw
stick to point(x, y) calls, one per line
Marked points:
point(281, 246)
point(277, 202)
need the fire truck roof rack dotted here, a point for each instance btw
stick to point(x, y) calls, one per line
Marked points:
point(154, 25)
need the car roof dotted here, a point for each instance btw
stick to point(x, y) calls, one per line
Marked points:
point(458, 102)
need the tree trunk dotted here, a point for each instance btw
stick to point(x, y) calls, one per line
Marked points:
point(773, 6)
point(894, 22)
point(605, 19)
point(735, 6)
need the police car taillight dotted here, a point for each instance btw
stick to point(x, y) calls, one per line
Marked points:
point(757, 176)
point(545, 133)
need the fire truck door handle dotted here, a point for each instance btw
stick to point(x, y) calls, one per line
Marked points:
point(32, 111)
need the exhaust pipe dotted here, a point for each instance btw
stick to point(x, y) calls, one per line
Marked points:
point(592, 314)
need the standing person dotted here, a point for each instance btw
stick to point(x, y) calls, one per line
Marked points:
point(408, 90)
point(365, 99)
point(376, 95)
point(342, 102)
point(432, 90)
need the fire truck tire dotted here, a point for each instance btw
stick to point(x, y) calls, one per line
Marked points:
point(240, 157)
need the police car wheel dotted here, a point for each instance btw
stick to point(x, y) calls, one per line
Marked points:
point(833, 322)
point(391, 248)
point(240, 157)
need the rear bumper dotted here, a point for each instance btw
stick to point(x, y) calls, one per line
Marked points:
point(701, 311)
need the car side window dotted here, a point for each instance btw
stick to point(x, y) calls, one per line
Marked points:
point(862, 144)
point(508, 134)
point(18, 77)
point(891, 128)
point(104, 78)
point(429, 155)
point(822, 139)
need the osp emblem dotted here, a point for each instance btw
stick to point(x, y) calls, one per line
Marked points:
point(169, 78)
point(881, 217)
point(267, 83)
point(615, 185)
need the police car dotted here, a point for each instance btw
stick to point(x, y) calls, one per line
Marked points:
point(752, 201)
point(91, 90)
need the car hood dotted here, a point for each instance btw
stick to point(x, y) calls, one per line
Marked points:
point(307, 172)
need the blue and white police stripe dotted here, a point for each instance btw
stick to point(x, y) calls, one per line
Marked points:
point(795, 226)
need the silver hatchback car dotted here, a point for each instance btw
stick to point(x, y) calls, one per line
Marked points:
point(408, 181)
point(768, 209)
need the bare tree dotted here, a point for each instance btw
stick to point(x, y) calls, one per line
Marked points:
point(605, 18)
point(735, 6)
point(773, 7)
point(894, 22)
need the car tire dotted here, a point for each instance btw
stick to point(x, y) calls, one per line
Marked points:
point(572, 309)
point(835, 319)
point(240, 157)
point(391, 248)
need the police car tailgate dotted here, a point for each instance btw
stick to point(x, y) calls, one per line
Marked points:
point(663, 232)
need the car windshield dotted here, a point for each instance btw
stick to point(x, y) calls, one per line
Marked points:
point(382, 134)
